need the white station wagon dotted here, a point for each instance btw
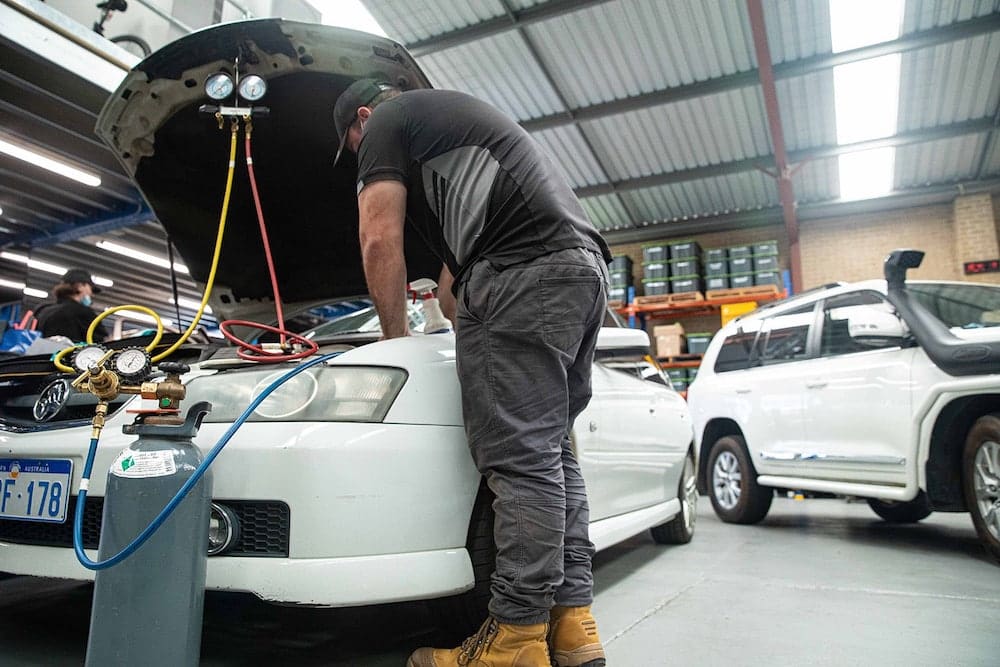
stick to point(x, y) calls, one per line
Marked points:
point(352, 484)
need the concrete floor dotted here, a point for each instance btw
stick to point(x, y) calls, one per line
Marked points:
point(819, 582)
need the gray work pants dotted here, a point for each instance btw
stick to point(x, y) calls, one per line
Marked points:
point(525, 344)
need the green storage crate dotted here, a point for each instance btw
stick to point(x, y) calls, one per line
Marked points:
point(655, 287)
point(698, 342)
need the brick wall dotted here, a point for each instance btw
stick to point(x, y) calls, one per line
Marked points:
point(853, 248)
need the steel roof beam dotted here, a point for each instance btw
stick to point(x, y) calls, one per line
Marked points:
point(835, 208)
point(82, 230)
point(494, 26)
point(789, 69)
point(68, 194)
point(767, 161)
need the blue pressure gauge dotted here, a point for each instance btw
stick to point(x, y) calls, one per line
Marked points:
point(219, 86)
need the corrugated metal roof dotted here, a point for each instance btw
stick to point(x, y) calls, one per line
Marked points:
point(409, 22)
point(950, 83)
point(794, 29)
point(499, 70)
point(991, 165)
point(568, 148)
point(938, 161)
point(926, 14)
point(606, 212)
point(705, 197)
point(808, 118)
point(619, 50)
point(817, 180)
point(694, 133)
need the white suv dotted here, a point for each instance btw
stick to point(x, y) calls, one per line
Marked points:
point(886, 389)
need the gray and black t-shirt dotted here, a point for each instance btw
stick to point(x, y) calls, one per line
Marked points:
point(478, 185)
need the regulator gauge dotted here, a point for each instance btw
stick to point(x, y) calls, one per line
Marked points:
point(132, 363)
point(219, 86)
point(252, 88)
point(87, 356)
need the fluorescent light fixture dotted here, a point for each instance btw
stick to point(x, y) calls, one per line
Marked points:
point(866, 174)
point(34, 263)
point(23, 288)
point(50, 268)
point(1, 210)
point(192, 304)
point(161, 262)
point(866, 93)
point(142, 317)
point(49, 163)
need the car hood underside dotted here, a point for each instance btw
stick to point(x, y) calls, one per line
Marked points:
point(178, 156)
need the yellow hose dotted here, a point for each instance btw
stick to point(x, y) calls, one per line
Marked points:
point(57, 360)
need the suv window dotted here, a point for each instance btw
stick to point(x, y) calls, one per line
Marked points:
point(964, 306)
point(787, 336)
point(835, 338)
point(738, 347)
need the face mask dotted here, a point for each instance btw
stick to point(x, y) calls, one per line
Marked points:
point(86, 300)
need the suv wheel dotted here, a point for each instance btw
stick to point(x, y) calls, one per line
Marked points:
point(909, 511)
point(736, 496)
point(981, 480)
point(680, 529)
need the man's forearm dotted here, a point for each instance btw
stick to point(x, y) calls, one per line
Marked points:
point(385, 271)
point(381, 207)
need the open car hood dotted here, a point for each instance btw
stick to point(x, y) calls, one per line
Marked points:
point(178, 157)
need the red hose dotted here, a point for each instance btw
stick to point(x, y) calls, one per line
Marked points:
point(259, 353)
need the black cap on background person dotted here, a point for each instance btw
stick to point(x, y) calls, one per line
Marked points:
point(74, 276)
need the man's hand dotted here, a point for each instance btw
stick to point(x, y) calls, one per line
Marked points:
point(382, 209)
point(445, 298)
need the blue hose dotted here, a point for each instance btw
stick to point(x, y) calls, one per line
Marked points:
point(182, 492)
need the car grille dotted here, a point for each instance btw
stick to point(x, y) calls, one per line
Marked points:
point(264, 528)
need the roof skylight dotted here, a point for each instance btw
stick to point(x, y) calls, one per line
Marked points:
point(866, 93)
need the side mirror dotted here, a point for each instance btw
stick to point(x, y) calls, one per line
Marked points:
point(874, 327)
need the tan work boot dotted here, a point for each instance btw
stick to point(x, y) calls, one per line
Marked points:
point(494, 645)
point(573, 638)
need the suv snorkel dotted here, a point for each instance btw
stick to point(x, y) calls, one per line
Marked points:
point(948, 352)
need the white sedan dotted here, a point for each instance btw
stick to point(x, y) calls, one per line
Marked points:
point(353, 483)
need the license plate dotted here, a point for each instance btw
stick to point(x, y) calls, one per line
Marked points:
point(35, 489)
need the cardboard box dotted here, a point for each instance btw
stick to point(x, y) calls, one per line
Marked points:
point(670, 340)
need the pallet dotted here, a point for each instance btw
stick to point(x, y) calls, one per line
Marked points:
point(664, 299)
point(680, 361)
point(750, 293)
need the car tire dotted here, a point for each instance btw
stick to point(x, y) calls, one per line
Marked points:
point(981, 480)
point(732, 483)
point(459, 616)
point(909, 511)
point(680, 529)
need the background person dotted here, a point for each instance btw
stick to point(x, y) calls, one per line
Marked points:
point(71, 314)
point(530, 276)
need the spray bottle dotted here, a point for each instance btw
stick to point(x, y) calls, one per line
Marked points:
point(435, 321)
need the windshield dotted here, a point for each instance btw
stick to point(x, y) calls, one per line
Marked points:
point(962, 306)
point(365, 321)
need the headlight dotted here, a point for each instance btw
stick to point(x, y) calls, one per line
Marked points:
point(328, 393)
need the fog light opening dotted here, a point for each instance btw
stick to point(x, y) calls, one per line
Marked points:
point(223, 530)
